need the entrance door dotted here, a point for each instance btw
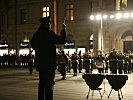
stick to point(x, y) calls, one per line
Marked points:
point(128, 45)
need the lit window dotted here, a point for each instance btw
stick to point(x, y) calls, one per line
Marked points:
point(69, 12)
point(124, 4)
point(46, 11)
point(121, 4)
point(117, 4)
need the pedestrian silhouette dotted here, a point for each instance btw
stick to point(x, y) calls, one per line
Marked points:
point(44, 43)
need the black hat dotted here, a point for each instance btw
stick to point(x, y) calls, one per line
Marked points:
point(45, 19)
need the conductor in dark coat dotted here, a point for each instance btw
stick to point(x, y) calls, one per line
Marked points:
point(44, 43)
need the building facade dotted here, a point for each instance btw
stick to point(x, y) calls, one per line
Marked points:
point(116, 28)
point(19, 21)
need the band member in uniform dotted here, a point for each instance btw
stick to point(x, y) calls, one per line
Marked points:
point(126, 63)
point(74, 60)
point(100, 62)
point(30, 61)
point(113, 61)
point(106, 63)
point(86, 62)
point(69, 65)
point(130, 62)
point(80, 62)
point(120, 62)
point(63, 64)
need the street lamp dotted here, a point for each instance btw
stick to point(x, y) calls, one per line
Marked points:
point(126, 15)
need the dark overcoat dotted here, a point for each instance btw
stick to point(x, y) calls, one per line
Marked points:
point(44, 43)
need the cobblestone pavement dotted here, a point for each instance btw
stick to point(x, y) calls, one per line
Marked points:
point(17, 84)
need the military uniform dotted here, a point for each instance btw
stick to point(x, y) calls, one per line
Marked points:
point(126, 64)
point(87, 62)
point(99, 59)
point(130, 64)
point(44, 43)
point(63, 63)
point(106, 64)
point(120, 63)
point(80, 63)
point(74, 60)
point(113, 62)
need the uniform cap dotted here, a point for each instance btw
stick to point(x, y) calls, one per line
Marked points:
point(45, 19)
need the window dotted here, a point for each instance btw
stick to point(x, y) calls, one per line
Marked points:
point(24, 16)
point(69, 12)
point(46, 11)
point(121, 4)
point(124, 4)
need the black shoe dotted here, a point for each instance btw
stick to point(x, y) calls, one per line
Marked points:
point(63, 78)
point(30, 73)
point(80, 72)
point(74, 75)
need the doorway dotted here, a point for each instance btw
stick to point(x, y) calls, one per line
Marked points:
point(128, 45)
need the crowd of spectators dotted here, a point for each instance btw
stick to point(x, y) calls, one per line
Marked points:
point(12, 60)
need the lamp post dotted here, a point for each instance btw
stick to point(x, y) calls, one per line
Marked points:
point(100, 30)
